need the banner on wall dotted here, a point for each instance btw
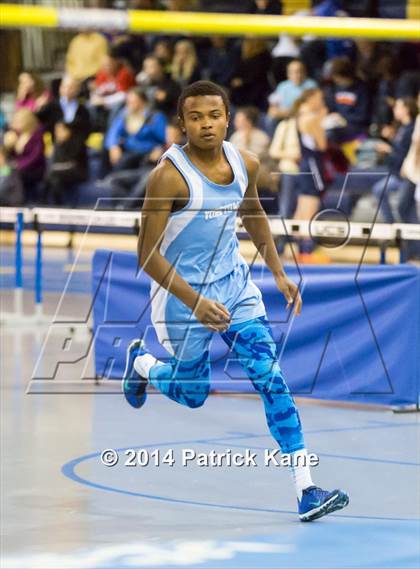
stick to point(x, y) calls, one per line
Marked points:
point(356, 340)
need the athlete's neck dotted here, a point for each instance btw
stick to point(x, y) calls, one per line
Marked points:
point(205, 156)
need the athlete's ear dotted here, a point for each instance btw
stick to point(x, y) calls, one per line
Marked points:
point(181, 124)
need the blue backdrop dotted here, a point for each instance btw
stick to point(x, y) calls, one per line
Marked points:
point(356, 340)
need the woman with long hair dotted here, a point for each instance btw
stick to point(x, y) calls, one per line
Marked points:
point(185, 66)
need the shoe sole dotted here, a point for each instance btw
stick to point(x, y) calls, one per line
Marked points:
point(336, 502)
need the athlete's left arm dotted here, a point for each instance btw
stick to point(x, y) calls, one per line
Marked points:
point(256, 223)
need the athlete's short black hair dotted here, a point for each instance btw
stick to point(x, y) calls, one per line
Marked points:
point(199, 89)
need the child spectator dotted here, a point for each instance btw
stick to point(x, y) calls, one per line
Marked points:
point(31, 92)
point(25, 143)
point(11, 190)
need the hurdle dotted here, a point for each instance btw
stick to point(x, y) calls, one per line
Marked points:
point(331, 233)
point(24, 218)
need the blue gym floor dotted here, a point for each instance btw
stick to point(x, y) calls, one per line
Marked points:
point(61, 507)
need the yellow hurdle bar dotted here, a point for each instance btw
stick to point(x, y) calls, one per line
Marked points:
point(200, 23)
point(251, 24)
point(23, 16)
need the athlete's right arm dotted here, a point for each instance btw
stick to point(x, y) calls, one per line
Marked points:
point(165, 185)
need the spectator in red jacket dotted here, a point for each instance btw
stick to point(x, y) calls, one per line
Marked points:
point(109, 89)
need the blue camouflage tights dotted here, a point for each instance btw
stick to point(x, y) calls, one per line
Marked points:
point(252, 343)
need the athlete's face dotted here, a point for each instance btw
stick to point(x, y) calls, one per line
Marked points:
point(205, 121)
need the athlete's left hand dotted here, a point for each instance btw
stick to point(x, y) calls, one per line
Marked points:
point(291, 292)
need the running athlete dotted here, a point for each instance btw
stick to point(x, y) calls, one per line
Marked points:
point(202, 285)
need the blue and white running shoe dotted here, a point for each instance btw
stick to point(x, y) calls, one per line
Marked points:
point(317, 502)
point(133, 384)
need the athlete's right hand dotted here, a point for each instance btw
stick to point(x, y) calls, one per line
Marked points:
point(212, 314)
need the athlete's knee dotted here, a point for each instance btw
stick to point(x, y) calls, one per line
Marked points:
point(268, 378)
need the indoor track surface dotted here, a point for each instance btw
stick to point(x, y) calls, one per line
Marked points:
point(61, 507)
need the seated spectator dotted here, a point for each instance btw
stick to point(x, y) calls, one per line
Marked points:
point(247, 135)
point(283, 53)
point(31, 92)
point(348, 100)
point(135, 131)
point(11, 190)
point(68, 166)
point(185, 67)
point(25, 142)
point(287, 92)
point(67, 109)
point(367, 55)
point(266, 7)
point(222, 60)
point(410, 174)
point(85, 54)
point(388, 71)
point(249, 85)
point(408, 84)
point(130, 48)
point(109, 89)
point(395, 152)
point(130, 185)
point(164, 51)
point(161, 90)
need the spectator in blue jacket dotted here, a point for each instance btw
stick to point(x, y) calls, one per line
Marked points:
point(134, 132)
point(348, 99)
